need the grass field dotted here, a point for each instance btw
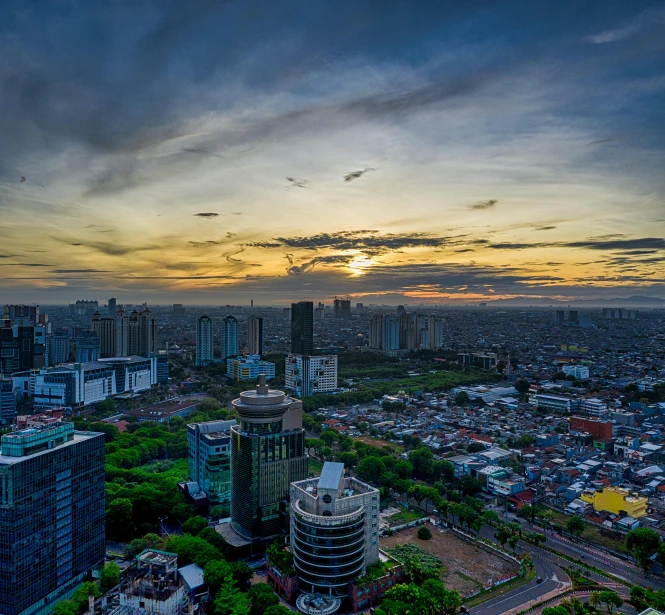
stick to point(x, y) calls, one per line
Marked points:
point(314, 466)
point(466, 566)
point(595, 534)
point(404, 516)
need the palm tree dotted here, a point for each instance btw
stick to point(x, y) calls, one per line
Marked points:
point(594, 599)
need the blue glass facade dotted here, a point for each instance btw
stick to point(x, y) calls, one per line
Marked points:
point(52, 504)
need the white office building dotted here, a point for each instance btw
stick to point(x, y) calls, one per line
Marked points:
point(309, 375)
point(249, 368)
point(580, 372)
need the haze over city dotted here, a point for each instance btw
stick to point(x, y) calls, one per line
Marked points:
point(434, 152)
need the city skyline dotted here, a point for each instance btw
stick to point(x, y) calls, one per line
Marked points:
point(446, 155)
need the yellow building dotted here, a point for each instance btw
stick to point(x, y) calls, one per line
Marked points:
point(617, 500)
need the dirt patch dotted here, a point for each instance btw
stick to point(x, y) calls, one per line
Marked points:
point(380, 443)
point(467, 567)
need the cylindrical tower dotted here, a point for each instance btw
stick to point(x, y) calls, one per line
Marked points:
point(328, 551)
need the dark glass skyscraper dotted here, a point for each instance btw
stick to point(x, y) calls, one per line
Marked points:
point(267, 454)
point(302, 328)
point(51, 514)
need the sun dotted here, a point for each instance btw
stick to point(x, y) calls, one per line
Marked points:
point(360, 264)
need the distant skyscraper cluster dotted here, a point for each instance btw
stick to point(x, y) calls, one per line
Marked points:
point(405, 332)
point(124, 335)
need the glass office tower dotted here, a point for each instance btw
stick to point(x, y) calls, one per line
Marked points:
point(52, 505)
point(267, 454)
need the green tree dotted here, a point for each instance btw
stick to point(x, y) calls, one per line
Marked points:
point(119, 515)
point(403, 469)
point(110, 431)
point(215, 574)
point(329, 436)
point(261, 596)
point(192, 549)
point(194, 525)
point(66, 607)
point(443, 600)
point(475, 447)
point(424, 533)
point(421, 460)
point(278, 609)
point(643, 543)
point(370, 469)
point(611, 600)
point(109, 576)
point(462, 398)
point(522, 386)
point(576, 526)
point(242, 573)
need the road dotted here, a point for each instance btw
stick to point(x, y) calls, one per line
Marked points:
point(554, 578)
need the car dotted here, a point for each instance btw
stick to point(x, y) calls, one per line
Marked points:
point(464, 609)
point(539, 580)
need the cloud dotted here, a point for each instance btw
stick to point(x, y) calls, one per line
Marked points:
point(210, 242)
point(370, 242)
point(549, 227)
point(298, 183)
point(648, 19)
point(111, 249)
point(207, 214)
point(356, 174)
point(593, 243)
point(319, 260)
point(484, 204)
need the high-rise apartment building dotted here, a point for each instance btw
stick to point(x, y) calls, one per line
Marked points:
point(52, 514)
point(229, 337)
point(407, 332)
point(209, 459)
point(121, 333)
point(308, 375)
point(376, 332)
point(302, 328)
point(88, 348)
point(178, 310)
point(83, 307)
point(105, 330)
point(390, 334)
point(334, 530)
point(147, 333)
point(112, 307)
point(204, 340)
point(254, 335)
point(267, 454)
point(59, 347)
point(434, 332)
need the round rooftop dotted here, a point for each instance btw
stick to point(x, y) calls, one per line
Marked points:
point(264, 402)
point(318, 604)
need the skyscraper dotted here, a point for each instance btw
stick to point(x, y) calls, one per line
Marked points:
point(267, 454)
point(52, 514)
point(255, 335)
point(133, 334)
point(229, 337)
point(434, 332)
point(147, 333)
point(376, 332)
point(105, 330)
point(112, 307)
point(87, 347)
point(204, 340)
point(302, 328)
point(16, 348)
point(390, 335)
point(121, 333)
point(59, 347)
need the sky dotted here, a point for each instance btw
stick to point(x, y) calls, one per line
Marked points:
point(443, 152)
